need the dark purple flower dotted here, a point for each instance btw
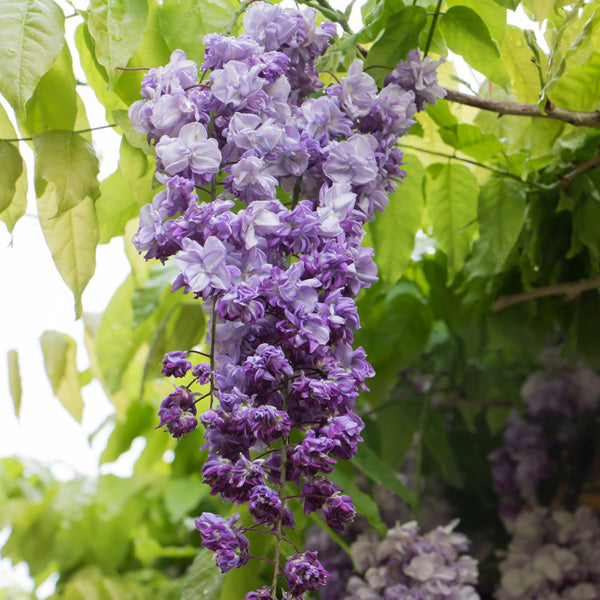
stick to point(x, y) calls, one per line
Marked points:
point(178, 412)
point(202, 373)
point(305, 572)
point(224, 539)
point(176, 363)
point(339, 511)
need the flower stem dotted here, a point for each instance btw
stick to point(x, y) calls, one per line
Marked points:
point(213, 333)
point(432, 29)
point(282, 499)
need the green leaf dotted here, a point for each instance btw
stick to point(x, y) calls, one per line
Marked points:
point(135, 138)
point(472, 141)
point(183, 23)
point(14, 380)
point(399, 326)
point(491, 13)
point(68, 162)
point(18, 201)
point(436, 441)
point(124, 192)
point(524, 77)
point(586, 224)
point(11, 168)
point(31, 37)
point(451, 198)
point(95, 73)
point(204, 579)
point(54, 102)
point(115, 206)
point(183, 327)
point(510, 4)
point(542, 9)
point(377, 470)
point(115, 341)
point(501, 213)
point(467, 35)
point(393, 233)
point(72, 239)
point(400, 36)
point(182, 495)
point(117, 27)
point(60, 361)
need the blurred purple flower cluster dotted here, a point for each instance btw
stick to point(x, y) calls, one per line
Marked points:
point(553, 555)
point(560, 402)
point(409, 566)
point(540, 474)
point(269, 180)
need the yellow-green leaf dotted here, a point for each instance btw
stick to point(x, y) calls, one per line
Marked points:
point(183, 23)
point(14, 380)
point(501, 213)
point(524, 76)
point(451, 198)
point(72, 238)
point(31, 37)
point(54, 101)
point(393, 233)
point(59, 359)
point(17, 204)
point(11, 167)
point(467, 35)
point(68, 162)
point(117, 27)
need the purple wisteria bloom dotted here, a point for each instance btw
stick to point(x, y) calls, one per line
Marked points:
point(224, 539)
point(178, 412)
point(304, 572)
point(191, 149)
point(268, 184)
point(176, 363)
point(419, 77)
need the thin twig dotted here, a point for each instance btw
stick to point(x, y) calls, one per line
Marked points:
point(29, 139)
point(592, 163)
point(572, 290)
point(577, 118)
point(436, 15)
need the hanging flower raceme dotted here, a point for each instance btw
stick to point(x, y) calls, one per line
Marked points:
point(407, 565)
point(269, 180)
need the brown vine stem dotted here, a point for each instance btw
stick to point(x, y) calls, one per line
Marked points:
point(572, 290)
point(29, 139)
point(213, 334)
point(282, 499)
point(592, 163)
point(574, 117)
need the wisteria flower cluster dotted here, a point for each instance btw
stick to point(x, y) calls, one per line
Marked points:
point(269, 179)
point(541, 474)
point(409, 566)
point(553, 555)
point(562, 413)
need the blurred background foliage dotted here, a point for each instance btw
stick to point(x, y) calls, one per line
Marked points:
point(487, 253)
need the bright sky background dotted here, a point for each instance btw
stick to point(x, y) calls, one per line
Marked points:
point(35, 300)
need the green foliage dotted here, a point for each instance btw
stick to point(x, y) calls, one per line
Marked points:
point(452, 192)
point(14, 379)
point(492, 206)
point(466, 34)
point(400, 36)
point(59, 358)
point(67, 162)
point(117, 28)
point(31, 34)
